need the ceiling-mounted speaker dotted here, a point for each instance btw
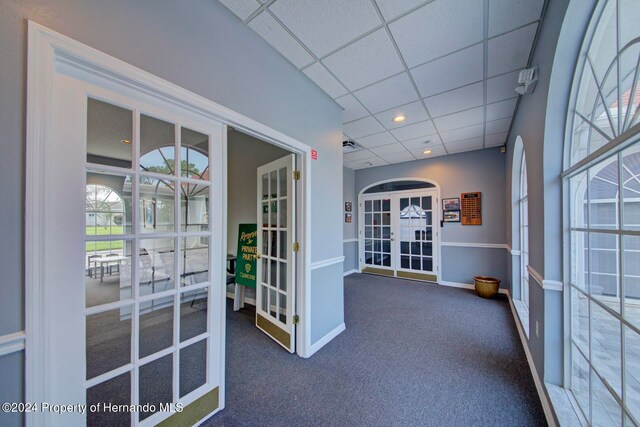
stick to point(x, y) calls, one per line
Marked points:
point(527, 79)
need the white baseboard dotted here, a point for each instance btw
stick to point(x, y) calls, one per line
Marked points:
point(246, 300)
point(546, 404)
point(466, 286)
point(355, 270)
point(12, 343)
point(326, 339)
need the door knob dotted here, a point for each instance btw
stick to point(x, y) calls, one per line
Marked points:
point(257, 255)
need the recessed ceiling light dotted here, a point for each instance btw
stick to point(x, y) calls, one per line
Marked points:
point(427, 152)
point(400, 118)
point(125, 141)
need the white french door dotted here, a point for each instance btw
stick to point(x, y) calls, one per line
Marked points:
point(135, 230)
point(399, 234)
point(275, 272)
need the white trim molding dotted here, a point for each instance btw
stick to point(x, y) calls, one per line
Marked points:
point(552, 285)
point(347, 273)
point(546, 404)
point(327, 338)
point(465, 286)
point(515, 252)
point(355, 239)
point(546, 284)
point(476, 245)
point(327, 262)
point(12, 343)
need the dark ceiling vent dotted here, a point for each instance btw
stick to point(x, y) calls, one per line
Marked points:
point(349, 146)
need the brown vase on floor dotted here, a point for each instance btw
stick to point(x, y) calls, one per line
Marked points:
point(486, 287)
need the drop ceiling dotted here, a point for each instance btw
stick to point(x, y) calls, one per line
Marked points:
point(449, 66)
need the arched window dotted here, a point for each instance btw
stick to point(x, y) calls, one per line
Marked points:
point(603, 255)
point(523, 202)
point(105, 215)
point(157, 194)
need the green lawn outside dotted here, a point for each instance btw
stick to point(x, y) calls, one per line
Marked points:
point(104, 231)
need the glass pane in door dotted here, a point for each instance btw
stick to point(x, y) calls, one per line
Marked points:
point(377, 232)
point(416, 233)
point(274, 244)
point(149, 247)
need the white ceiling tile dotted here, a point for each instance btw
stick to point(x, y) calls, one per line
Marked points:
point(376, 162)
point(242, 8)
point(435, 151)
point(502, 109)
point(465, 145)
point(357, 166)
point(510, 51)
point(398, 158)
point(385, 150)
point(456, 100)
point(392, 8)
point(450, 72)
point(324, 26)
point(416, 130)
point(462, 133)
point(461, 119)
point(505, 15)
point(502, 87)
point(362, 127)
point(353, 110)
point(325, 80)
point(498, 126)
point(422, 143)
point(495, 139)
point(437, 29)
point(382, 138)
point(272, 32)
point(389, 93)
point(366, 61)
point(359, 156)
point(350, 165)
point(414, 112)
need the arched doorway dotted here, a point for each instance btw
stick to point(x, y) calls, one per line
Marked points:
point(398, 229)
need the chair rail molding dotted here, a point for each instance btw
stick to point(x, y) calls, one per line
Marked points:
point(546, 284)
point(476, 245)
point(327, 262)
point(12, 343)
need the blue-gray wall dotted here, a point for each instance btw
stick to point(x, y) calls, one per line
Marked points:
point(540, 121)
point(350, 230)
point(198, 45)
point(481, 170)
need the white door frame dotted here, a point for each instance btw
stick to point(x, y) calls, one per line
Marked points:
point(46, 48)
point(436, 216)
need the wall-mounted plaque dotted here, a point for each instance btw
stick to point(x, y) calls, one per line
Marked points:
point(471, 208)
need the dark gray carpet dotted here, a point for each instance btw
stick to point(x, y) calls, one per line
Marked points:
point(413, 354)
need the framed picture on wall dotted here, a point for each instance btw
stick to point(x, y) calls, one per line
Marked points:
point(451, 216)
point(451, 204)
point(347, 217)
point(347, 206)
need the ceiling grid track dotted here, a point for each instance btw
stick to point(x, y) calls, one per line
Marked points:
point(460, 116)
point(485, 59)
point(406, 70)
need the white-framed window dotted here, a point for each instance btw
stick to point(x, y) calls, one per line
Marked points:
point(523, 203)
point(602, 202)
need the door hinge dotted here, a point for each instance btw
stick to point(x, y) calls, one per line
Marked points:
point(296, 175)
point(296, 319)
point(295, 246)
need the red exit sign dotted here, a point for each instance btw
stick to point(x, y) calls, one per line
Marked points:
point(314, 154)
